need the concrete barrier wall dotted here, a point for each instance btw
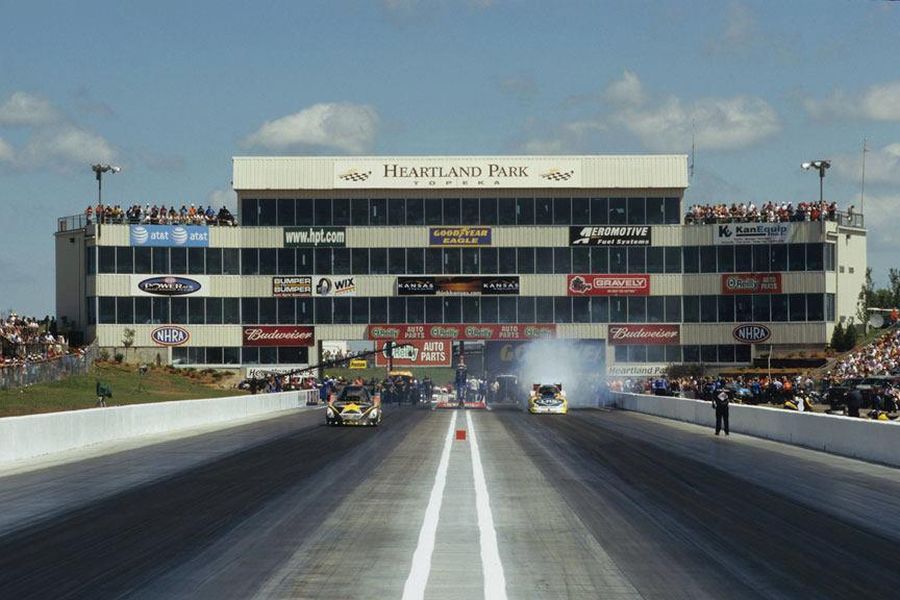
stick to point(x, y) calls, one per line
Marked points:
point(877, 441)
point(36, 435)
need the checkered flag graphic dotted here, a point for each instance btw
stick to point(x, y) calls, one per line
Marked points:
point(557, 175)
point(355, 175)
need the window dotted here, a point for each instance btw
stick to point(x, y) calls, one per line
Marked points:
point(322, 211)
point(161, 261)
point(621, 354)
point(396, 211)
point(108, 259)
point(196, 311)
point(141, 260)
point(231, 355)
point(762, 307)
point(340, 211)
point(415, 261)
point(815, 260)
point(581, 260)
point(341, 311)
point(231, 311)
point(617, 211)
point(359, 211)
point(267, 261)
point(488, 309)
point(125, 259)
point(726, 309)
point(673, 354)
point(743, 308)
point(378, 211)
point(673, 309)
point(691, 354)
point(637, 353)
point(708, 310)
point(214, 356)
point(378, 310)
point(434, 310)
point(285, 209)
point(178, 306)
point(124, 311)
point(434, 260)
point(815, 307)
point(618, 260)
point(829, 257)
point(796, 257)
point(562, 211)
point(673, 259)
point(691, 259)
point(90, 260)
point(599, 211)
point(323, 309)
point(396, 310)
point(340, 261)
point(726, 353)
point(543, 309)
point(673, 211)
point(525, 211)
point(470, 211)
point(488, 260)
point(581, 211)
point(779, 307)
point(725, 258)
point(656, 354)
point(359, 309)
point(618, 310)
point(143, 314)
point(286, 309)
point(656, 262)
point(452, 309)
point(743, 259)
point(599, 309)
point(303, 212)
point(214, 311)
point(506, 309)
point(543, 211)
point(231, 261)
point(742, 353)
point(829, 307)
point(691, 309)
point(160, 308)
point(451, 211)
point(637, 211)
point(268, 312)
point(452, 261)
point(267, 213)
point(250, 261)
point(656, 212)
point(250, 311)
point(709, 353)
point(470, 261)
point(599, 260)
point(637, 309)
point(543, 260)
point(250, 212)
point(433, 212)
point(707, 259)
point(797, 307)
point(637, 260)
point(471, 312)
point(506, 211)
point(378, 261)
point(488, 211)
point(656, 309)
point(562, 309)
point(322, 260)
point(397, 261)
point(359, 261)
point(526, 260)
point(778, 255)
point(562, 260)
point(287, 261)
point(305, 308)
point(525, 309)
point(760, 258)
point(249, 356)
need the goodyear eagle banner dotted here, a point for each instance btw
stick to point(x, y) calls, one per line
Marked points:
point(459, 236)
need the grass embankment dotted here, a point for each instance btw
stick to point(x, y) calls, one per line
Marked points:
point(158, 385)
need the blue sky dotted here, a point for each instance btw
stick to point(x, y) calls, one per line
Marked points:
point(172, 90)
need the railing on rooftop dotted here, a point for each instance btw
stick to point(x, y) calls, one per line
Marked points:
point(848, 220)
point(71, 223)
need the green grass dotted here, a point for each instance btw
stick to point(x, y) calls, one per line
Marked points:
point(158, 385)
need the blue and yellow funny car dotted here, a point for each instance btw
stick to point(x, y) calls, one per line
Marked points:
point(548, 398)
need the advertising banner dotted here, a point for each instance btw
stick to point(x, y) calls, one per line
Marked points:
point(170, 335)
point(335, 286)
point(461, 285)
point(610, 235)
point(170, 285)
point(519, 331)
point(608, 285)
point(358, 363)
point(457, 172)
point(643, 370)
point(751, 283)
point(418, 353)
point(291, 287)
point(753, 233)
point(652, 335)
point(312, 237)
point(188, 236)
point(459, 236)
point(751, 333)
point(278, 335)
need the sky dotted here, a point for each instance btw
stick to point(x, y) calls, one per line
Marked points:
point(170, 91)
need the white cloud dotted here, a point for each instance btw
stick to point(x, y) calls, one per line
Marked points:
point(879, 102)
point(627, 91)
point(223, 197)
point(882, 165)
point(521, 86)
point(346, 127)
point(739, 31)
point(6, 151)
point(27, 109)
point(66, 147)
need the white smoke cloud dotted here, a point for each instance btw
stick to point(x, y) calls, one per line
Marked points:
point(569, 362)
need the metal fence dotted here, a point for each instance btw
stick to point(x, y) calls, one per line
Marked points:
point(71, 223)
point(49, 370)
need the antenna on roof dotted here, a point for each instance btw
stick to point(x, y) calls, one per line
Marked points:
point(691, 163)
point(862, 185)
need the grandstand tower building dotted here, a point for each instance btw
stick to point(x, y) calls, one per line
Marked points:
point(439, 249)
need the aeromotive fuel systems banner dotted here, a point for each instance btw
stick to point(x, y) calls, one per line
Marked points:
point(416, 353)
point(311, 237)
point(609, 285)
point(462, 285)
point(610, 235)
point(459, 236)
point(518, 331)
point(653, 335)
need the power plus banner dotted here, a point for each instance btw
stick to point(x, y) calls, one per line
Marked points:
point(519, 331)
point(610, 235)
point(462, 285)
point(170, 285)
point(608, 285)
point(751, 283)
point(652, 335)
point(459, 236)
point(278, 335)
point(188, 236)
point(417, 353)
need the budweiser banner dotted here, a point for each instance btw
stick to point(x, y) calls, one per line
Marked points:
point(652, 335)
point(445, 286)
point(609, 285)
point(610, 235)
point(518, 331)
point(417, 353)
point(291, 287)
point(278, 335)
point(459, 236)
point(751, 283)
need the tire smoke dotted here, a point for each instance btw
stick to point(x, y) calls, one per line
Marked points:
point(574, 364)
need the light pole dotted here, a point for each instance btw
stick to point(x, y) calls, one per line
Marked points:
point(100, 170)
point(821, 166)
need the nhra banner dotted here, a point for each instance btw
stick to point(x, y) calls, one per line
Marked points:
point(187, 236)
point(610, 235)
point(463, 332)
point(608, 285)
point(753, 233)
point(418, 353)
point(459, 236)
point(751, 283)
point(462, 285)
point(291, 287)
point(278, 335)
point(652, 335)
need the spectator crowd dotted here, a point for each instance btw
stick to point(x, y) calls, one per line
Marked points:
point(769, 212)
point(159, 215)
point(881, 357)
point(25, 340)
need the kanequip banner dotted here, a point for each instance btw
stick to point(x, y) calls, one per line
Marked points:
point(278, 335)
point(417, 353)
point(751, 283)
point(518, 331)
point(753, 233)
point(608, 285)
point(652, 335)
point(188, 236)
point(459, 236)
point(610, 235)
point(461, 285)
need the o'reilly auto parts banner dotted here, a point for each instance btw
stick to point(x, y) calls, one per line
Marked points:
point(751, 283)
point(610, 235)
point(608, 285)
point(520, 331)
point(753, 233)
point(417, 353)
point(278, 335)
point(459, 236)
point(313, 237)
point(188, 236)
point(652, 335)
point(291, 287)
point(463, 285)
point(169, 285)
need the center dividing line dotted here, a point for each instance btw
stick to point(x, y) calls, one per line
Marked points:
point(414, 589)
point(491, 567)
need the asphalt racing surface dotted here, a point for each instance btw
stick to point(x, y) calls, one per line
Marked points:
point(454, 504)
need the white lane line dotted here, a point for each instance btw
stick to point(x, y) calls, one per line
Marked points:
point(491, 567)
point(414, 589)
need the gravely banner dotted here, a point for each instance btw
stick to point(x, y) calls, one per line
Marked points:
point(652, 335)
point(278, 335)
point(609, 285)
point(610, 235)
point(459, 236)
point(519, 331)
point(417, 353)
point(751, 283)
point(462, 285)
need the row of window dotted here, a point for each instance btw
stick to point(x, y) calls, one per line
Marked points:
point(461, 211)
point(232, 355)
point(126, 310)
point(453, 261)
point(707, 353)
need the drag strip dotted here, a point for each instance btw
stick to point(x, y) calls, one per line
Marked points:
point(679, 527)
point(120, 544)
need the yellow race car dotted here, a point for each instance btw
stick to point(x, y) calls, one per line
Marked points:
point(548, 398)
point(354, 405)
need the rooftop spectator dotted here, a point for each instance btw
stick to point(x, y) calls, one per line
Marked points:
point(770, 212)
point(159, 214)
